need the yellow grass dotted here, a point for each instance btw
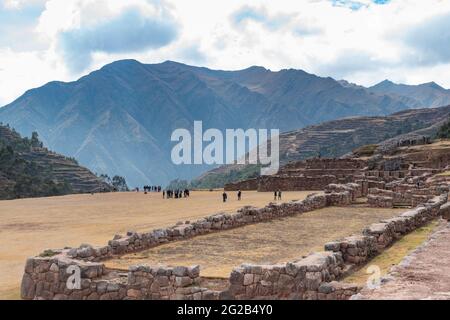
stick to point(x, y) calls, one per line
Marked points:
point(28, 226)
point(395, 254)
point(280, 240)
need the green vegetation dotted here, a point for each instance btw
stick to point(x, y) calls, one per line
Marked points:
point(409, 125)
point(117, 182)
point(444, 131)
point(365, 151)
point(214, 180)
point(22, 178)
point(48, 253)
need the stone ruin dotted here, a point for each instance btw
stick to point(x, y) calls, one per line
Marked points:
point(315, 276)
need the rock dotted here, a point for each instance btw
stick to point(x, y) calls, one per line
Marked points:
point(29, 265)
point(248, 279)
point(326, 288)
point(236, 277)
point(180, 271)
point(132, 293)
point(28, 287)
point(54, 267)
point(194, 271)
point(112, 287)
point(183, 281)
point(332, 246)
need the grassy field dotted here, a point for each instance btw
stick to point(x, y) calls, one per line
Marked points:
point(395, 254)
point(271, 242)
point(28, 226)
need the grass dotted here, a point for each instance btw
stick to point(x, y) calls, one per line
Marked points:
point(395, 254)
point(280, 240)
point(365, 151)
point(443, 174)
point(27, 226)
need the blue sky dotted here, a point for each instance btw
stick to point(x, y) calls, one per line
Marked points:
point(363, 41)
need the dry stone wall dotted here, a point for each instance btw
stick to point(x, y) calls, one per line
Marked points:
point(378, 236)
point(312, 277)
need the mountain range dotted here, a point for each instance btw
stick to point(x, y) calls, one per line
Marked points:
point(119, 119)
point(338, 138)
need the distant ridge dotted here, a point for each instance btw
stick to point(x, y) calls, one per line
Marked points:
point(335, 139)
point(118, 120)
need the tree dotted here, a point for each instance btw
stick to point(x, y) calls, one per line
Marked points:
point(444, 131)
point(35, 143)
point(119, 183)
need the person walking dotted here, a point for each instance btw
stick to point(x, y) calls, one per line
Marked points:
point(224, 196)
point(279, 194)
point(239, 194)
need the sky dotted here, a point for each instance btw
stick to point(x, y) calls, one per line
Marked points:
point(362, 41)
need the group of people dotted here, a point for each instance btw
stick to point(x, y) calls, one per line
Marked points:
point(179, 193)
point(152, 188)
point(176, 194)
point(225, 196)
point(277, 195)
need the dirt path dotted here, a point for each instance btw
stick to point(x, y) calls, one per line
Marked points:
point(424, 274)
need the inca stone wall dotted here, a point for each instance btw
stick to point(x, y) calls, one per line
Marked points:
point(314, 277)
point(360, 248)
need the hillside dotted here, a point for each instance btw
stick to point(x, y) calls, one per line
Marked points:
point(27, 169)
point(426, 94)
point(339, 137)
point(118, 120)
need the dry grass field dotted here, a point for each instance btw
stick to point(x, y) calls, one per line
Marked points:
point(277, 241)
point(28, 226)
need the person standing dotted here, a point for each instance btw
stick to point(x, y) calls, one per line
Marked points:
point(224, 196)
point(275, 195)
point(279, 194)
point(239, 194)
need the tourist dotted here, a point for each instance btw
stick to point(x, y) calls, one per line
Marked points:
point(224, 196)
point(164, 194)
point(275, 196)
point(279, 195)
point(239, 194)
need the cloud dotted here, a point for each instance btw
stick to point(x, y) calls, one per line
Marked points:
point(429, 40)
point(357, 4)
point(130, 31)
point(273, 21)
point(18, 20)
point(402, 40)
point(260, 15)
point(191, 53)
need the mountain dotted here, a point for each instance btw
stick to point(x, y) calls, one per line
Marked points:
point(426, 94)
point(119, 119)
point(337, 138)
point(27, 169)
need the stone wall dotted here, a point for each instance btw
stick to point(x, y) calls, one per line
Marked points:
point(133, 241)
point(46, 275)
point(360, 248)
point(289, 183)
point(246, 185)
point(312, 277)
point(46, 278)
point(403, 195)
